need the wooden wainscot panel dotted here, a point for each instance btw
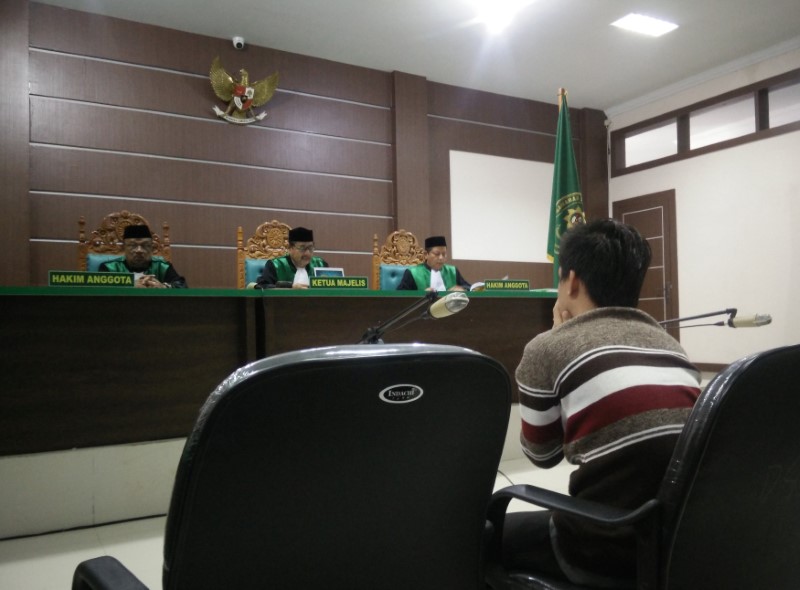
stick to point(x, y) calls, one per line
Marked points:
point(92, 371)
point(494, 109)
point(130, 131)
point(96, 173)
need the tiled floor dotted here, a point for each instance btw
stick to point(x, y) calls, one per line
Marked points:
point(47, 562)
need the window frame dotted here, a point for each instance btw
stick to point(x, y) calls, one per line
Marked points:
point(759, 91)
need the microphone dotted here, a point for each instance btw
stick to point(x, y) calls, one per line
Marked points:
point(750, 321)
point(436, 308)
point(447, 306)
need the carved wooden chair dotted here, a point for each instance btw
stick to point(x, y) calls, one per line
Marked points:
point(270, 240)
point(400, 250)
point(105, 242)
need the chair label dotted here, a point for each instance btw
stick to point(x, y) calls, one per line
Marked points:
point(76, 278)
point(339, 282)
point(506, 285)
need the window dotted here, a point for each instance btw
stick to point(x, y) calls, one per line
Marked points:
point(784, 105)
point(764, 109)
point(652, 144)
point(717, 123)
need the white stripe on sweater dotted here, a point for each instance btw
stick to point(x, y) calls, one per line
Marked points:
point(614, 380)
point(626, 441)
point(537, 418)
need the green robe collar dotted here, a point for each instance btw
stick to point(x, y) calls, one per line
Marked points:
point(422, 276)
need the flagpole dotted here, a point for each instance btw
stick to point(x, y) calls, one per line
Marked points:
point(560, 94)
point(566, 204)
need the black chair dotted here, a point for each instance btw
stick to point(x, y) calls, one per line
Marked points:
point(727, 516)
point(352, 467)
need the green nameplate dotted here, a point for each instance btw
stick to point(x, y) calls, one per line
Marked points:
point(339, 282)
point(75, 278)
point(505, 285)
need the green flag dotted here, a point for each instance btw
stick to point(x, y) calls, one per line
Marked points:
point(566, 205)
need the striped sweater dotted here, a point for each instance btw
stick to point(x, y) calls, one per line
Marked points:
point(610, 391)
point(606, 379)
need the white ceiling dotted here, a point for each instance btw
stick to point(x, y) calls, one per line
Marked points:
point(551, 44)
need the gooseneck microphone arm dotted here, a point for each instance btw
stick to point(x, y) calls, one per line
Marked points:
point(751, 321)
point(731, 311)
point(373, 335)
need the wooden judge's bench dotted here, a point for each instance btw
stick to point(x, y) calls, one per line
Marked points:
point(86, 367)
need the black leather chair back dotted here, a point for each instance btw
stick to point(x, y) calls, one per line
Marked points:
point(732, 493)
point(357, 467)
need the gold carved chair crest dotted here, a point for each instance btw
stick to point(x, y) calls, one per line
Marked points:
point(400, 249)
point(105, 242)
point(270, 240)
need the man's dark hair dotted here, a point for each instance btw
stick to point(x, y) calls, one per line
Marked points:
point(610, 257)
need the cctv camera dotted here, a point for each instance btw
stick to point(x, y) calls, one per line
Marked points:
point(238, 42)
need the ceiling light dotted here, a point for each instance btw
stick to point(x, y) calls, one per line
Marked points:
point(647, 25)
point(498, 14)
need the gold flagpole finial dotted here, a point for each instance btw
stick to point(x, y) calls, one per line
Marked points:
point(562, 92)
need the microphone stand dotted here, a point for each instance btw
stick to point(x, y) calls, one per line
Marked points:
point(731, 311)
point(373, 335)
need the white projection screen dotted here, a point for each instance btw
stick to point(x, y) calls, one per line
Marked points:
point(507, 197)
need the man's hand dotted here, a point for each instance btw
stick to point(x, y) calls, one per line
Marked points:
point(299, 286)
point(560, 315)
point(150, 282)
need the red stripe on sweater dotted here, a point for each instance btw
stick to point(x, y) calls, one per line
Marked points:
point(625, 403)
point(540, 435)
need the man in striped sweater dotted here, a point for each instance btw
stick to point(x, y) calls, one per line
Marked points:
point(609, 390)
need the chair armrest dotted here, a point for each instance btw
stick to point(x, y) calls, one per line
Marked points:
point(593, 511)
point(104, 573)
point(643, 519)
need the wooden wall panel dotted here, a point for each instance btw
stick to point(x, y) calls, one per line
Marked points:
point(412, 185)
point(593, 164)
point(447, 134)
point(56, 216)
point(123, 130)
point(54, 168)
point(90, 80)
point(94, 35)
point(47, 256)
point(120, 118)
point(493, 109)
point(14, 163)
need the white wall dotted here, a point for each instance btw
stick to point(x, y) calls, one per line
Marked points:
point(737, 216)
point(492, 191)
point(46, 492)
point(748, 70)
point(738, 245)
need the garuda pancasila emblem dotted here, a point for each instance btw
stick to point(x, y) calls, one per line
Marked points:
point(241, 96)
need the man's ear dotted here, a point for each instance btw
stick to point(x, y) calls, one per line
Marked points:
point(574, 284)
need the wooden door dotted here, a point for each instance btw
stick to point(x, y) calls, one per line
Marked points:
point(654, 216)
